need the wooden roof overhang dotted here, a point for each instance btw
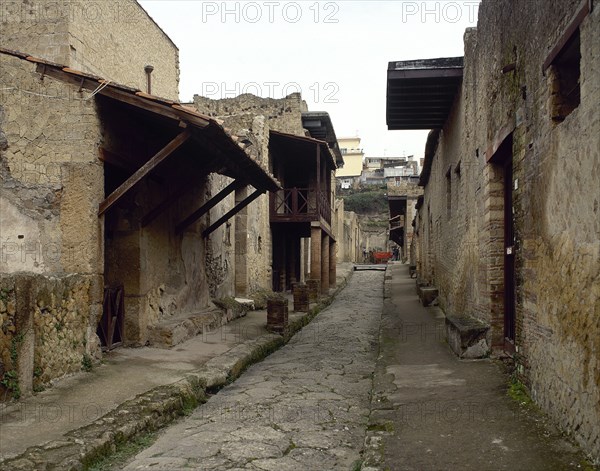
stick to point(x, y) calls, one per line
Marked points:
point(301, 146)
point(421, 92)
point(200, 134)
point(319, 125)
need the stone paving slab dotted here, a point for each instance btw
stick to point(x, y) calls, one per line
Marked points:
point(305, 407)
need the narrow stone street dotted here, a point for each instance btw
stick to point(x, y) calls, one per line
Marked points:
point(304, 408)
point(370, 384)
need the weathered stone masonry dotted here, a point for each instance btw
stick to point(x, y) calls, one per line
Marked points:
point(556, 199)
point(68, 140)
point(51, 186)
point(114, 39)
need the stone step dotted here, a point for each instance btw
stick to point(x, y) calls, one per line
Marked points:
point(173, 331)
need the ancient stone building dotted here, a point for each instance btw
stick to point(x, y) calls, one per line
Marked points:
point(115, 40)
point(295, 225)
point(348, 234)
point(105, 223)
point(509, 226)
point(402, 200)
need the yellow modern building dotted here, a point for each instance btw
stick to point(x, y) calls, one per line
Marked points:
point(353, 161)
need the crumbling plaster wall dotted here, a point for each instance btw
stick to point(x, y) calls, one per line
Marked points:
point(556, 206)
point(114, 40)
point(51, 236)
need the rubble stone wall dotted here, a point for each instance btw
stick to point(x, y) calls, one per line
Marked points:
point(51, 177)
point(556, 199)
point(46, 329)
point(284, 115)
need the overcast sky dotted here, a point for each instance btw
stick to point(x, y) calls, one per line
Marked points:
point(335, 53)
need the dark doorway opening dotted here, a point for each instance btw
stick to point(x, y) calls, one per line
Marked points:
point(503, 158)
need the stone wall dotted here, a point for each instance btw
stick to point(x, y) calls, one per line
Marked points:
point(251, 118)
point(114, 39)
point(52, 183)
point(51, 175)
point(556, 198)
point(284, 115)
point(348, 234)
point(46, 330)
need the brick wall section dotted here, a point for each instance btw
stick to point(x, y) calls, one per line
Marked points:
point(556, 207)
point(114, 39)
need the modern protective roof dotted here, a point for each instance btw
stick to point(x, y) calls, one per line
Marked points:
point(420, 92)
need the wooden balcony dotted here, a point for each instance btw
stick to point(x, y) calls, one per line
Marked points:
point(299, 205)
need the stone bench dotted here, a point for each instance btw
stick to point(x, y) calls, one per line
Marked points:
point(467, 336)
point(427, 294)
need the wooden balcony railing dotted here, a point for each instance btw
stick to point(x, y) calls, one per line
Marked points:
point(299, 205)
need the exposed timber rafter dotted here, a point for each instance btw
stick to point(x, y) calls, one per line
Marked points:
point(202, 210)
point(241, 205)
point(144, 170)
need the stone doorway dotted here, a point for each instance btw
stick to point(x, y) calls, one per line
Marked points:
point(503, 296)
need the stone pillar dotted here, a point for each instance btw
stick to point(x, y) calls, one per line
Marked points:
point(241, 246)
point(301, 297)
point(306, 255)
point(332, 263)
point(315, 253)
point(314, 288)
point(325, 264)
point(22, 308)
point(277, 315)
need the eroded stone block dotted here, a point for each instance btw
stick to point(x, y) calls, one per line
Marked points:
point(467, 336)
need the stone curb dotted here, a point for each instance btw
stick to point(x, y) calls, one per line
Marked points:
point(372, 455)
point(158, 407)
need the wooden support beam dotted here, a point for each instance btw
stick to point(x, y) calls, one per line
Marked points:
point(211, 203)
point(241, 205)
point(121, 162)
point(180, 191)
point(160, 156)
point(130, 97)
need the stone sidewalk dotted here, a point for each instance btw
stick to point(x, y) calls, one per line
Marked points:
point(133, 391)
point(431, 411)
point(303, 408)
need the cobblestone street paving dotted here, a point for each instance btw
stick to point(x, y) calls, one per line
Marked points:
point(305, 407)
